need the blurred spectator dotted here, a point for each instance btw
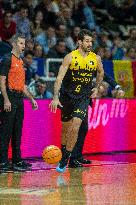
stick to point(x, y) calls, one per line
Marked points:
point(118, 3)
point(38, 51)
point(61, 20)
point(89, 17)
point(4, 48)
point(84, 16)
point(59, 51)
point(105, 41)
point(29, 72)
point(68, 4)
point(49, 16)
point(38, 61)
point(130, 54)
point(51, 37)
point(22, 21)
point(131, 41)
point(125, 11)
point(39, 89)
point(100, 51)
point(4, 6)
point(66, 18)
point(37, 24)
point(55, 7)
point(107, 54)
point(29, 44)
point(129, 9)
point(47, 39)
point(30, 4)
point(62, 33)
point(7, 27)
point(119, 14)
point(1, 9)
point(59, 5)
point(74, 35)
point(117, 50)
point(78, 15)
point(95, 40)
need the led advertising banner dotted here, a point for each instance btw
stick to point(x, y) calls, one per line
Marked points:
point(111, 127)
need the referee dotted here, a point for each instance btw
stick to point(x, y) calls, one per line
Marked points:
point(13, 88)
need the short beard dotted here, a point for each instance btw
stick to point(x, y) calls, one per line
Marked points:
point(85, 49)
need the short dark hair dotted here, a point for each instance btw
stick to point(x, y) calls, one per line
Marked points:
point(16, 36)
point(58, 25)
point(60, 40)
point(83, 33)
point(40, 80)
point(28, 52)
point(23, 6)
point(7, 12)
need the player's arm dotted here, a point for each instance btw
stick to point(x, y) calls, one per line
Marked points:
point(30, 97)
point(117, 90)
point(99, 77)
point(100, 72)
point(62, 71)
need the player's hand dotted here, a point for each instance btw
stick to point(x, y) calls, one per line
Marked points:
point(7, 105)
point(118, 93)
point(54, 105)
point(34, 104)
point(95, 93)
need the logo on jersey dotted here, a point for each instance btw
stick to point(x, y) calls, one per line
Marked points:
point(91, 63)
point(80, 111)
point(76, 64)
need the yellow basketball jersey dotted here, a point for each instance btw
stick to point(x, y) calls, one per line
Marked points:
point(78, 79)
point(88, 63)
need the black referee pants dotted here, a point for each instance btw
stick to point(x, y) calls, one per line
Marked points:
point(11, 124)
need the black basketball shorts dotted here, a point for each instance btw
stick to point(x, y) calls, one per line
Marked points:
point(73, 107)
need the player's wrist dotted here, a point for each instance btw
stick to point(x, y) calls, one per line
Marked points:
point(98, 86)
point(55, 97)
point(95, 89)
point(32, 99)
point(118, 87)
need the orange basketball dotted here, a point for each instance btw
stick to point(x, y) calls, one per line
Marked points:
point(52, 154)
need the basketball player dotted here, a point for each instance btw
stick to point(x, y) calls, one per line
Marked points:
point(76, 159)
point(76, 72)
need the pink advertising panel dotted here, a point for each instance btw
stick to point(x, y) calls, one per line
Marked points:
point(112, 127)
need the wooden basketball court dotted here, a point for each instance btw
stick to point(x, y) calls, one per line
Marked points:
point(110, 180)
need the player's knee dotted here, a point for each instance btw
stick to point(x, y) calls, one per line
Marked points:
point(76, 122)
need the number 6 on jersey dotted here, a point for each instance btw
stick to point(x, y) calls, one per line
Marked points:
point(78, 88)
